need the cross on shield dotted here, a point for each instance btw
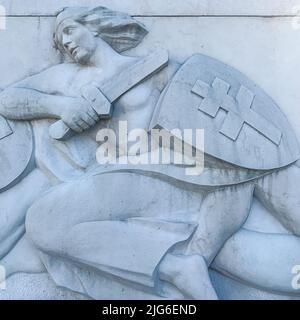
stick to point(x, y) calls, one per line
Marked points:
point(239, 111)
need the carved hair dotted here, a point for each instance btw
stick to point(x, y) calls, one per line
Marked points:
point(118, 29)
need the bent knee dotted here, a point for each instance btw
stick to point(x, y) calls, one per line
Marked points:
point(290, 217)
point(54, 213)
point(279, 192)
point(43, 224)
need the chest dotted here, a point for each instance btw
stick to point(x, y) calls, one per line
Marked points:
point(136, 99)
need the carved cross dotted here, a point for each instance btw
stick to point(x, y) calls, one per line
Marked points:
point(239, 110)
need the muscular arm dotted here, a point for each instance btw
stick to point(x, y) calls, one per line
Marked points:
point(37, 96)
point(28, 104)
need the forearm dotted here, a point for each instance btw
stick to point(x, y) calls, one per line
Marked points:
point(28, 104)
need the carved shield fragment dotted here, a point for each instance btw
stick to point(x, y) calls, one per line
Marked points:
point(242, 125)
point(16, 150)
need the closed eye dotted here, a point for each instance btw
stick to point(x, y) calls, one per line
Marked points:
point(68, 30)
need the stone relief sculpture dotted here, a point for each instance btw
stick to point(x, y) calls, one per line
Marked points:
point(150, 227)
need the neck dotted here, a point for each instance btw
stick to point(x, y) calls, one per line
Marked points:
point(106, 57)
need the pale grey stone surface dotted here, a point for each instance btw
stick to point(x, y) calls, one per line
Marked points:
point(15, 134)
point(41, 287)
point(65, 223)
point(229, 289)
point(270, 56)
point(157, 7)
point(35, 287)
point(198, 98)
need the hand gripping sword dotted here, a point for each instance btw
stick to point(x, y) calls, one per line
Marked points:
point(114, 89)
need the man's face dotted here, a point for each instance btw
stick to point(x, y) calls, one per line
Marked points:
point(77, 41)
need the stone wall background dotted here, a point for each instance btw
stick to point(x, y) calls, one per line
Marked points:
point(257, 37)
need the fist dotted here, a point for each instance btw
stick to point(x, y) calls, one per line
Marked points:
point(79, 115)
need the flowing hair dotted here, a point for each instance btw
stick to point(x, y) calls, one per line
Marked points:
point(118, 29)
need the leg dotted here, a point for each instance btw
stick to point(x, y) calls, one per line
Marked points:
point(111, 223)
point(14, 204)
point(222, 214)
point(79, 225)
point(109, 197)
point(261, 260)
point(189, 273)
point(270, 257)
point(23, 258)
point(279, 192)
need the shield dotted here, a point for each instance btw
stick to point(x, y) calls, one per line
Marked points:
point(242, 125)
point(16, 151)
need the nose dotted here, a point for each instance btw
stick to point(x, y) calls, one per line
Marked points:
point(66, 41)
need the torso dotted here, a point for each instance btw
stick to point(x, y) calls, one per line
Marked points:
point(136, 107)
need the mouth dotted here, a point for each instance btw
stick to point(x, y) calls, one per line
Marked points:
point(73, 51)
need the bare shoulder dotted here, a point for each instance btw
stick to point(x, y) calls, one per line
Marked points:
point(50, 79)
point(59, 68)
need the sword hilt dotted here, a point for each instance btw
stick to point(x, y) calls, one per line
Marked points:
point(60, 131)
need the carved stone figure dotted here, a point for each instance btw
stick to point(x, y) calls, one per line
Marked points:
point(150, 227)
